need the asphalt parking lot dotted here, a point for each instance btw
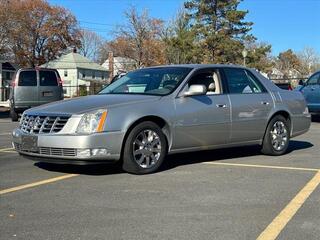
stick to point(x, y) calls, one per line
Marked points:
point(222, 194)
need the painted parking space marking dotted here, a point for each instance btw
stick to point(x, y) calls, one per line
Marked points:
point(261, 166)
point(34, 184)
point(280, 221)
point(6, 149)
point(273, 230)
point(5, 134)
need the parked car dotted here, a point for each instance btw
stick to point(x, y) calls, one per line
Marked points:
point(284, 85)
point(311, 91)
point(33, 87)
point(156, 111)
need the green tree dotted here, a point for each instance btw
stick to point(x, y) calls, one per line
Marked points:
point(259, 56)
point(180, 41)
point(220, 28)
point(289, 64)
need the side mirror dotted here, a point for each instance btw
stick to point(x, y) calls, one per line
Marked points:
point(301, 82)
point(195, 90)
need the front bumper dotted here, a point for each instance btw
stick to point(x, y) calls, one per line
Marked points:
point(69, 148)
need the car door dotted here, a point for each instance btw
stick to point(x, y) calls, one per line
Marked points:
point(204, 120)
point(251, 105)
point(311, 92)
point(49, 86)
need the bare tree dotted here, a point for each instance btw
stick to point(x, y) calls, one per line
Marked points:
point(140, 38)
point(91, 43)
point(310, 60)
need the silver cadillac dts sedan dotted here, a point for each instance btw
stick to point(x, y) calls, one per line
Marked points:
point(156, 111)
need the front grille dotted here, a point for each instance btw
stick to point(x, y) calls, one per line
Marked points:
point(42, 124)
point(68, 152)
point(64, 152)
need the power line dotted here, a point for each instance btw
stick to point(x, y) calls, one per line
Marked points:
point(102, 24)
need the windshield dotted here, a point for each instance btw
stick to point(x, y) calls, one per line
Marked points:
point(149, 81)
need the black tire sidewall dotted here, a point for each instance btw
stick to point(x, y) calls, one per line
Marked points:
point(129, 164)
point(267, 147)
point(14, 115)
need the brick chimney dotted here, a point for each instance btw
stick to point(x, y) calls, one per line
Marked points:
point(111, 64)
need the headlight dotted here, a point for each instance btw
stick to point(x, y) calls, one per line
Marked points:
point(92, 122)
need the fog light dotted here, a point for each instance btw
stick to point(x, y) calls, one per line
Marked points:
point(99, 151)
point(83, 152)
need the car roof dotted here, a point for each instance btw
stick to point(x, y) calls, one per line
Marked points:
point(199, 66)
point(37, 68)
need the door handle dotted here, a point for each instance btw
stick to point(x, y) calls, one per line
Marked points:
point(221, 105)
point(312, 88)
point(265, 103)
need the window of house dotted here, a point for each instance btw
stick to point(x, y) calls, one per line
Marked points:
point(93, 74)
point(241, 81)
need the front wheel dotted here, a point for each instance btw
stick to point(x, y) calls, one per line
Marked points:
point(145, 149)
point(14, 115)
point(277, 136)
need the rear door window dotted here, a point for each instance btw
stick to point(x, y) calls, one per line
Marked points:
point(48, 78)
point(242, 82)
point(27, 78)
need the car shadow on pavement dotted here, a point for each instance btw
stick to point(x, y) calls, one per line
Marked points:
point(171, 161)
point(4, 114)
point(315, 118)
point(176, 160)
point(98, 169)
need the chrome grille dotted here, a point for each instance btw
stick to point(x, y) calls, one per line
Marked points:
point(64, 152)
point(42, 124)
point(69, 152)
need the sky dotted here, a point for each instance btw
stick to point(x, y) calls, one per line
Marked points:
point(285, 24)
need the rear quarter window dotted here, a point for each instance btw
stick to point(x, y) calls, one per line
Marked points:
point(48, 78)
point(27, 78)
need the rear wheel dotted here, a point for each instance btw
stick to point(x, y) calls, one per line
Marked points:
point(277, 136)
point(145, 149)
point(14, 115)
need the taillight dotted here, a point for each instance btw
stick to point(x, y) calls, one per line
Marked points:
point(14, 83)
point(60, 82)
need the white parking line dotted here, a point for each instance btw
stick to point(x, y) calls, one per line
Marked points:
point(6, 149)
point(5, 134)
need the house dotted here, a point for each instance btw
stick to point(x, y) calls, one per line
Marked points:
point(120, 64)
point(78, 72)
point(7, 71)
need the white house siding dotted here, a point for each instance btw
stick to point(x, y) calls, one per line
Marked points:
point(69, 81)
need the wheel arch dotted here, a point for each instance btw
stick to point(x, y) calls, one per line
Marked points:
point(162, 123)
point(282, 113)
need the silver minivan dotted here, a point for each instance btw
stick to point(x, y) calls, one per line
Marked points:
point(32, 87)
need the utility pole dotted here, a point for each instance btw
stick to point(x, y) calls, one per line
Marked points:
point(244, 55)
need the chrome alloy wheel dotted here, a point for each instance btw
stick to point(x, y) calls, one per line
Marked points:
point(279, 135)
point(147, 148)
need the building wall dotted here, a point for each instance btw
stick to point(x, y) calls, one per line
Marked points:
point(73, 78)
point(5, 82)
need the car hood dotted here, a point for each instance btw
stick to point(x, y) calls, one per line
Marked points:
point(81, 105)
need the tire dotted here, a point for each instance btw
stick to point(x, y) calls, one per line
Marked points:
point(14, 115)
point(145, 149)
point(277, 136)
